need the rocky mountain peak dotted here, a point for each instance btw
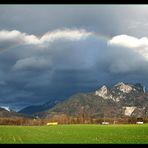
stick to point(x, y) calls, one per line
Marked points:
point(103, 88)
point(127, 88)
point(120, 92)
point(102, 92)
point(124, 87)
point(119, 83)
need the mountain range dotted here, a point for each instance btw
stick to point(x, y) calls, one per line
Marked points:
point(121, 100)
point(30, 110)
point(4, 113)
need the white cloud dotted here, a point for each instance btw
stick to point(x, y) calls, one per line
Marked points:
point(14, 38)
point(138, 45)
point(6, 35)
point(124, 40)
point(67, 34)
point(10, 39)
point(31, 39)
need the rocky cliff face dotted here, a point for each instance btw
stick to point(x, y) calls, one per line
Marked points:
point(118, 101)
point(120, 91)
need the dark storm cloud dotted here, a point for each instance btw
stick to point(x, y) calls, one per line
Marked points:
point(38, 19)
point(56, 51)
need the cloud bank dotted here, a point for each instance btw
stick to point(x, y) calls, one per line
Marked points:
point(15, 37)
point(66, 61)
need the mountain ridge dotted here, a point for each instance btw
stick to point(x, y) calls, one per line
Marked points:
point(4, 113)
point(121, 100)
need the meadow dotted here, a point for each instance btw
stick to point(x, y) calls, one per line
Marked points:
point(75, 134)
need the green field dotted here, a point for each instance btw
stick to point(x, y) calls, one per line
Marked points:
point(75, 134)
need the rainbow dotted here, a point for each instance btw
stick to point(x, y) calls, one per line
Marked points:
point(101, 36)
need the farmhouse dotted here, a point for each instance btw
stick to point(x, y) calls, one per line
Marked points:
point(105, 123)
point(52, 123)
point(139, 122)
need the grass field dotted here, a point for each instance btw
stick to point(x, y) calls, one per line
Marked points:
point(75, 134)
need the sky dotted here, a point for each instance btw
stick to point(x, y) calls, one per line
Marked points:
point(54, 51)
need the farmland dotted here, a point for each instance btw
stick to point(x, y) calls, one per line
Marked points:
point(75, 134)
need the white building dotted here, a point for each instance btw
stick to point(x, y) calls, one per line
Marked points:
point(140, 122)
point(105, 123)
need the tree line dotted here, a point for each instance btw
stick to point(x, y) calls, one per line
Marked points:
point(64, 119)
